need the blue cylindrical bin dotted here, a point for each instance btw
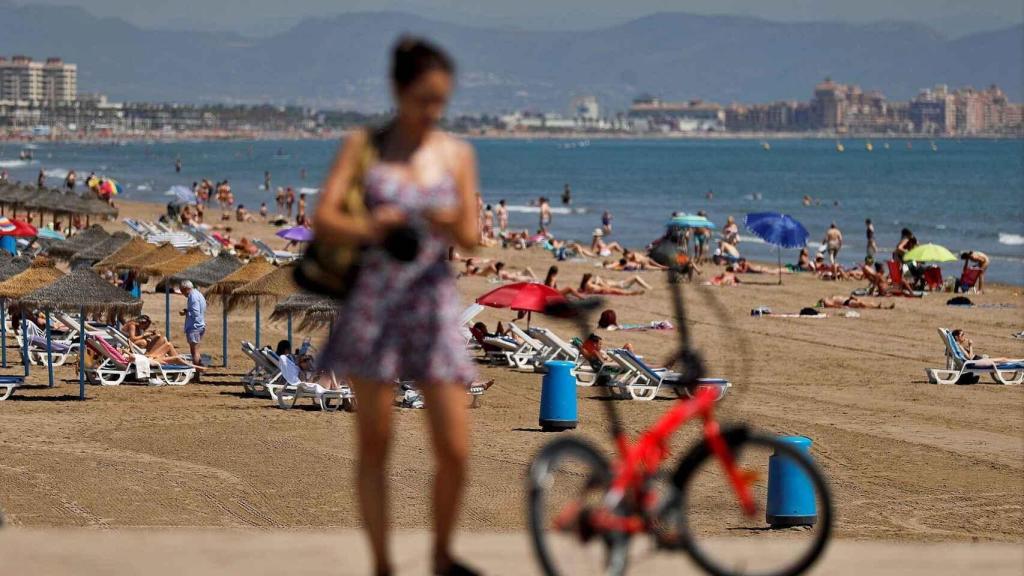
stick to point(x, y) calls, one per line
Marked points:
point(791, 496)
point(558, 397)
point(9, 245)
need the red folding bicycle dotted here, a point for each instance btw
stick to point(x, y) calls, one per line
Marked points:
point(585, 511)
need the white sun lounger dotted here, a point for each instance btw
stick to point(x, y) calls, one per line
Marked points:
point(328, 399)
point(115, 367)
point(8, 385)
point(644, 382)
point(275, 256)
point(529, 350)
point(957, 364)
point(263, 374)
point(554, 347)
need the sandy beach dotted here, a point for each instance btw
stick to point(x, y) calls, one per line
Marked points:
point(908, 460)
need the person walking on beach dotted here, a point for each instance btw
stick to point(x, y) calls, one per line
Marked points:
point(502, 213)
point(300, 216)
point(833, 243)
point(70, 180)
point(195, 319)
point(401, 317)
point(289, 200)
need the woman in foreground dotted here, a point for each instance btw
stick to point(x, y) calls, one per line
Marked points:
point(401, 318)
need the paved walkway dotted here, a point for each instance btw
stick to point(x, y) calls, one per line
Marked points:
point(177, 552)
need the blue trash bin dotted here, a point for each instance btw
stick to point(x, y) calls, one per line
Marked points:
point(791, 496)
point(558, 397)
point(9, 244)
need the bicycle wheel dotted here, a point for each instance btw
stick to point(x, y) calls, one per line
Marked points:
point(703, 515)
point(567, 480)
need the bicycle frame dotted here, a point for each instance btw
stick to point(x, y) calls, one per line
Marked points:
point(640, 460)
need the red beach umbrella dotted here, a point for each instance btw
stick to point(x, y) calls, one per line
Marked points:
point(526, 297)
point(16, 228)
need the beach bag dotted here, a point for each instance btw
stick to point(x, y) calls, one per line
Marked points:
point(331, 268)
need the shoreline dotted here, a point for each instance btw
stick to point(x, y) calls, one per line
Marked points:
point(269, 136)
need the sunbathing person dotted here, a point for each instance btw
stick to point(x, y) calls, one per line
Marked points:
point(852, 302)
point(880, 285)
point(743, 267)
point(804, 262)
point(643, 260)
point(600, 247)
point(595, 285)
point(593, 352)
point(723, 279)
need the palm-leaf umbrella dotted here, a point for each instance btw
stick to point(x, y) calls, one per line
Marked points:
point(254, 270)
point(135, 247)
point(41, 272)
point(85, 291)
point(317, 310)
point(277, 285)
point(101, 250)
point(162, 253)
point(85, 239)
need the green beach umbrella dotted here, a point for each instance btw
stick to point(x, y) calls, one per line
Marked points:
point(929, 253)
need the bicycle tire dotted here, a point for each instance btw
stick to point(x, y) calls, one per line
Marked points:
point(537, 478)
point(736, 439)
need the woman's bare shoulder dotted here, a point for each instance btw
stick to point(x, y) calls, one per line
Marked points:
point(455, 147)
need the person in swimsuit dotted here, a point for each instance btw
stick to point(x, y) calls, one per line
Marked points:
point(869, 230)
point(401, 318)
point(980, 261)
point(502, 214)
point(833, 243)
point(851, 302)
point(606, 221)
point(602, 248)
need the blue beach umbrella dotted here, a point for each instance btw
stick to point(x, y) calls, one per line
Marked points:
point(48, 234)
point(781, 230)
point(690, 221)
point(183, 194)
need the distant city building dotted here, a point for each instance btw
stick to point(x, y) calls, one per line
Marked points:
point(586, 108)
point(692, 116)
point(24, 80)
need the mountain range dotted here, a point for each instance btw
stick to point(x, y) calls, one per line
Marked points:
point(341, 61)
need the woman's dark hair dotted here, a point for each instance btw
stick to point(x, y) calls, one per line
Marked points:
point(552, 272)
point(413, 57)
point(284, 347)
point(584, 281)
point(906, 233)
point(499, 266)
point(607, 319)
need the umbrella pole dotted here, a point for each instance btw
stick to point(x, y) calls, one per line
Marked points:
point(224, 332)
point(780, 265)
point(49, 350)
point(24, 343)
point(3, 331)
point(289, 329)
point(167, 309)
point(81, 358)
point(257, 322)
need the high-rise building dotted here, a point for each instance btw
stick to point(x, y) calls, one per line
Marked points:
point(828, 107)
point(60, 81)
point(23, 80)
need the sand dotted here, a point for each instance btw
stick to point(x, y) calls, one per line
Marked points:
point(908, 460)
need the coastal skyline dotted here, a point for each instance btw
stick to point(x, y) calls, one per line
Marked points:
point(266, 17)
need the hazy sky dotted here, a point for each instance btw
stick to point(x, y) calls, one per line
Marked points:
point(954, 17)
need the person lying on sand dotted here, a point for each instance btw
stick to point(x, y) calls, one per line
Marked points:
point(804, 262)
point(723, 279)
point(600, 247)
point(851, 302)
point(497, 270)
point(743, 267)
point(595, 285)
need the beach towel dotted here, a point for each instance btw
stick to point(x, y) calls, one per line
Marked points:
point(142, 366)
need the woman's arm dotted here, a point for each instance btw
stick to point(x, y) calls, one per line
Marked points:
point(461, 222)
point(329, 221)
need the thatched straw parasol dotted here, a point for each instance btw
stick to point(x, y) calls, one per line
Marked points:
point(90, 205)
point(9, 266)
point(39, 274)
point(210, 272)
point(85, 239)
point(183, 261)
point(254, 270)
point(134, 247)
point(103, 249)
point(317, 311)
point(162, 253)
point(278, 284)
point(83, 290)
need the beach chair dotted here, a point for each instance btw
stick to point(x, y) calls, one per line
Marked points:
point(554, 347)
point(933, 278)
point(8, 384)
point(295, 388)
point(958, 364)
point(525, 356)
point(496, 349)
point(114, 367)
point(275, 256)
point(648, 381)
point(263, 374)
point(466, 319)
point(62, 345)
point(136, 227)
point(895, 271)
point(968, 280)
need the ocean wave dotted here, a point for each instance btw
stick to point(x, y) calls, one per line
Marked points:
point(751, 239)
point(1011, 239)
point(16, 163)
point(60, 173)
point(307, 190)
point(536, 209)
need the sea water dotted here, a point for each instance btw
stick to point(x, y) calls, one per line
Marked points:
point(962, 194)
